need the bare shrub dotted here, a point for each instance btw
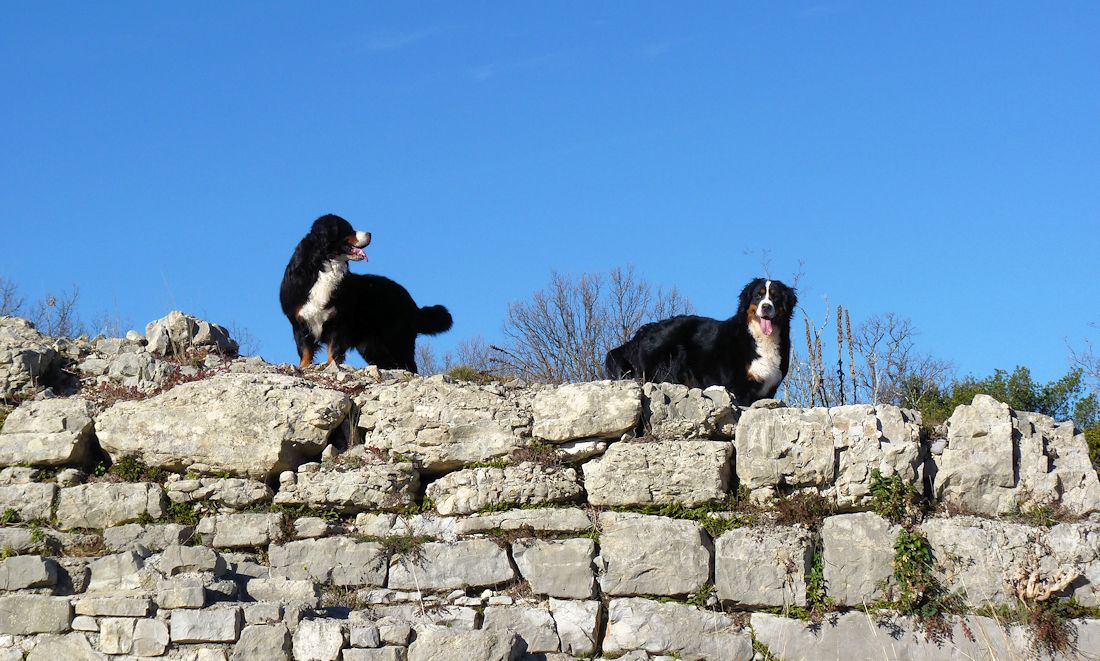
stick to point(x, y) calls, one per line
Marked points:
point(564, 331)
point(11, 304)
point(56, 314)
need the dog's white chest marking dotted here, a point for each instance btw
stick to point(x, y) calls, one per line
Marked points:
point(316, 311)
point(766, 368)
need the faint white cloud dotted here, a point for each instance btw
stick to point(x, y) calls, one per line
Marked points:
point(395, 39)
point(483, 73)
point(822, 9)
point(660, 48)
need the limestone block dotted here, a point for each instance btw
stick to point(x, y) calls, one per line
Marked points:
point(858, 557)
point(835, 450)
point(468, 491)
point(245, 530)
point(674, 629)
point(25, 614)
point(373, 487)
point(254, 425)
point(558, 568)
point(656, 555)
point(533, 624)
point(336, 560)
point(436, 643)
point(674, 411)
point(451, 565)
point(763, 567)
point(29, 501)
point(27, 571)
point(688, 473)
point(319, 640)
point(444, 425)
point(600, 409)
point(101, 505)
point(208, 625)
point(576, 623)
point(50, 432)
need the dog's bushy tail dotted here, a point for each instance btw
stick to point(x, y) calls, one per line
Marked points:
point(433, 319)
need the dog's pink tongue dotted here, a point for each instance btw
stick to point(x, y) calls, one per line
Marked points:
point(766, 325)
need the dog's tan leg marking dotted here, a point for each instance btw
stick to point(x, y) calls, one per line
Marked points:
point(307, 358)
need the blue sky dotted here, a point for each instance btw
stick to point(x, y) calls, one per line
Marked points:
point(938, 160)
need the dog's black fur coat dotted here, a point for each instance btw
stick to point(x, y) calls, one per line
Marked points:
point(700, 352)
point(326, 304)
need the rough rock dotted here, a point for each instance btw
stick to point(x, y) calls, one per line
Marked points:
point(121, 606)
point(435, 643)
point(101, 505)
point(988, 561)
point(29, 501)
point(27, 571)
point(210, 625)
point(688, 473)
point(270, 642)
point(23, 614)
point(319, 640)
point(555, 519)
point(674, 411)
point(284, 591)
point(179, 333)
point(763, 567)
point(70, 647)
point(386, 487)
point(380, 654)
point(601, 409)
point(177, 559)
point(689, 633)
point(468, 491)
point(557, 568)
point(833, 449)
point(235, 493)
point(119, 572)
point(28, 359)
point(336, 560)
point(533, 624)
point(154, 537)
point(443, 425)
point(998, 461)
point(576, 623)
point(252, 425)
point(50, 432)
point(244, 530)
point(449, 566)
point(655, 555)
point(858, 557)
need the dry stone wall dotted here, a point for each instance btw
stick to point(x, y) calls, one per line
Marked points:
point(172, 500)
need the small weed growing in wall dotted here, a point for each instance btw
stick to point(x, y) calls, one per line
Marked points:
point(893, 498)
point(132, 469)
point(918, 590)
point(702, 597)
point(9, 517)
point(806, 508)
point(817, 602)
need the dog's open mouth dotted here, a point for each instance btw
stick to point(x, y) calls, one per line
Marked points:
point(765, 325)
point(354, 254)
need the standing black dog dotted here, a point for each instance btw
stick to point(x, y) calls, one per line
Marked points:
point(748, 354)
point(316, 269)
point(327, 305)
point(379, 318)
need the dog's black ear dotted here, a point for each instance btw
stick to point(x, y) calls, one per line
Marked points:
point(330, 228)
point(746, 294)
point(791, 299)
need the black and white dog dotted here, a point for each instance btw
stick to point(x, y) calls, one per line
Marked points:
point(748, 354)
point(327, 305)
point(316, 269)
